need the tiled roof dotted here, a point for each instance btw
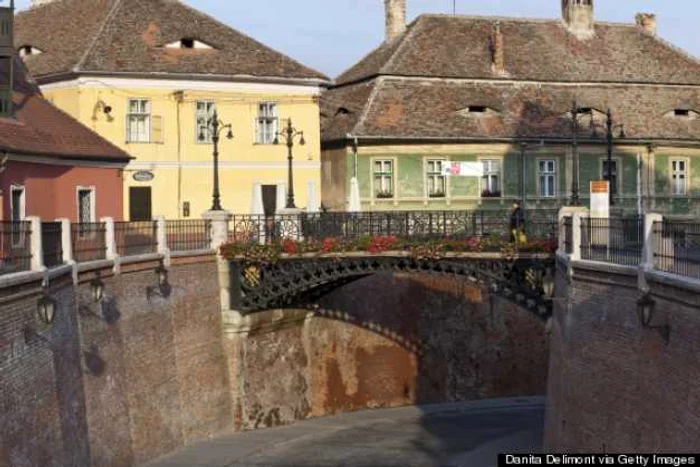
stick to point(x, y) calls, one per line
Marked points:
point(39, 128)
point(130, 36)
point(417, 85)
point(536, 50)
point(408, 108)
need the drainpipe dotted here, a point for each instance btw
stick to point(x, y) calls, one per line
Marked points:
point(353, 138)
point(639, 184)
point(179, 98)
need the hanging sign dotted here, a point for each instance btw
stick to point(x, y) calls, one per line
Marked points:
point(143, 176)
point(600, 198)
point(463, 169)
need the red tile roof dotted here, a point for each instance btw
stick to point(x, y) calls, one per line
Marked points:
point(39, 128)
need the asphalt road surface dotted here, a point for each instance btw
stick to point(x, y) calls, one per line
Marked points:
point(445, 435)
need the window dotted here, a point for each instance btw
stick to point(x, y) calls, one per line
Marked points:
point(86, 205)
point(384, 178)
point(205, 110)
point(266, 123)
point(547, 178)
point(17, 212)
point(27, 50)
point(435, 179)
point(491, 179)
point(679, 177)
point(138, 123)
point(613, 175)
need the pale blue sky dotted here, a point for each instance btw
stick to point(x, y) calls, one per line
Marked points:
point(332, 35)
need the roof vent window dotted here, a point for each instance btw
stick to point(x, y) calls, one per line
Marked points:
point(683, 113)
point(27, 50)
point(477, 110)
point(188, 43)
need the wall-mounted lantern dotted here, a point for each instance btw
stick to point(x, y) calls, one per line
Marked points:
point(548, 283)
point(97, 287)
point(645, 310)
point(162, 273)
point(46, 310)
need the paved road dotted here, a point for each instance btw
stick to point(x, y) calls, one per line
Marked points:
point(445, 435)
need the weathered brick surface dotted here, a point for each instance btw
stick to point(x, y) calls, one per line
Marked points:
point(614, 385)
point(115, 385)
point(387, 341)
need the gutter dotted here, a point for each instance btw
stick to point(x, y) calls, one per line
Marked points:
point(69, 75)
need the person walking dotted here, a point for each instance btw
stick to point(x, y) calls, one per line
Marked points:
point(517, 224)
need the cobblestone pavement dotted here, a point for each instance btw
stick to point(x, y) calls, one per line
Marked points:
point(445, 435)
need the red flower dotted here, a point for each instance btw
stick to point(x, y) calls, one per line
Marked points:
point(382, 243)
point(328, 245)
point(289, 247)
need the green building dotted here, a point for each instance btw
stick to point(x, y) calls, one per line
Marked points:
point(499, 94)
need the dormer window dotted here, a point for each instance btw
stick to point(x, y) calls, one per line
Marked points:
point(688, 114)
point(188, 43)
point(477, 110)
point(27, 50)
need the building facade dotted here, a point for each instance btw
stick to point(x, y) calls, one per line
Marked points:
point(148, 76)
point(51, 166)
point(498, 94)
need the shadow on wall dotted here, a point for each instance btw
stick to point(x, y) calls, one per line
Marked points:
point(387, 341)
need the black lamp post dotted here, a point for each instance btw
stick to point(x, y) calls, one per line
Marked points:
point(610, 127)
point(575, 112)
point(215, 127)
point(289, 133)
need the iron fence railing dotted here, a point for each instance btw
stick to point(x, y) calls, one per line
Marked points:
point(52, 244)
point(15, 249)
point(677, 247)
point(88, 241)
point(568, 227)
point(613, 240)
point(184, 235)
point(401, 224)
point(136, 238)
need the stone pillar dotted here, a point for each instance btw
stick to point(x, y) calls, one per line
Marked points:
point(569, 211)
point(110, 240)
point(648, 250)
point(576, 226)
point(66, 243)
point(162, 237)
point(219, 235)
point(36, 246)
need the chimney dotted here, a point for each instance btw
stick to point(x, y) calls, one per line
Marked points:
point(7, 53)
point(36, 3)
point(395, 18)
point(647, 22)
point(498, 61)
point(578, 17)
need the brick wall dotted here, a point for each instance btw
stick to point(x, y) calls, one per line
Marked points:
point(613, 385)
point(116, 384)
point(385, 341)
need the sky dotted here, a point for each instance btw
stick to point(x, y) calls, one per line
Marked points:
point(332, 35)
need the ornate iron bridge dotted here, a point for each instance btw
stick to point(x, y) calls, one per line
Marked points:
point(297, 280)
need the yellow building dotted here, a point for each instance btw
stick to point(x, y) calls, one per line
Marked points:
point(148, 74)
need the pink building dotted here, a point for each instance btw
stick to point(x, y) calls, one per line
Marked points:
point(52, 166)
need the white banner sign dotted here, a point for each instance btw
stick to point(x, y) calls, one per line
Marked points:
point(463, 169)
point(600, 198)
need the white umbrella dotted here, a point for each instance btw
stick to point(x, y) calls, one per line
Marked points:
point(312, 198)
point(354, 205)
point(256, 206)
point(281, 197)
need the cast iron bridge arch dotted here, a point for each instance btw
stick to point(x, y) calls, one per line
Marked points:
point(299, 281)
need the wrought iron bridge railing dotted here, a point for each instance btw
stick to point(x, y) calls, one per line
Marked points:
point(136, 238)
point(401, 224)
point(613, 240)
point(188, 235)
point(89, 242)
point(15, 249)
point(677, 247)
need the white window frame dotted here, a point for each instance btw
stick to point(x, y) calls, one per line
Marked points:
point(148, 114)
point(264, 135)
point(686, 173)
point(93, 200)
point(482, 160)
point(552, 174)
point(206, 114)
point(373, 175)
point(434, 175)
point(23, 202)
point(618, 163)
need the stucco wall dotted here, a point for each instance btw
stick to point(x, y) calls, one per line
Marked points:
point(613, 385)
point(51, 190)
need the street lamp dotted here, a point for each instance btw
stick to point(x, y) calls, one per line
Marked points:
point(575, 112)
point(610, 128)
point(215, 127)
point(289, 133)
